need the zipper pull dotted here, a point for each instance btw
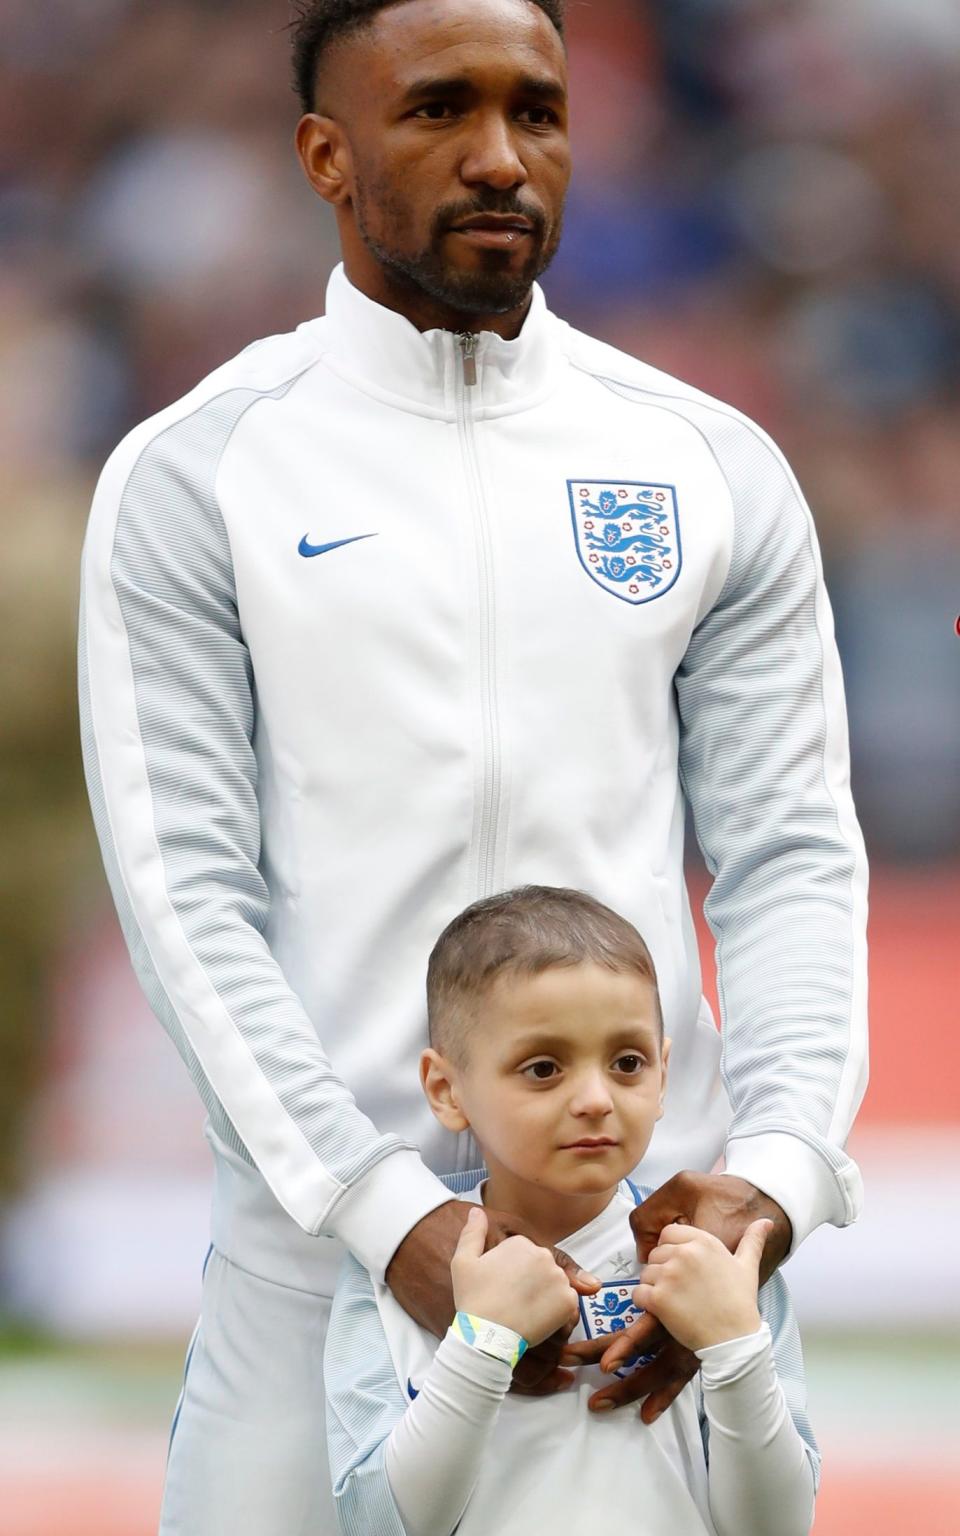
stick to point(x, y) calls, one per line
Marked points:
point(468, 343)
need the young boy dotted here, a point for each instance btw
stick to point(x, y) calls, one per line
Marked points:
point(547, 1044)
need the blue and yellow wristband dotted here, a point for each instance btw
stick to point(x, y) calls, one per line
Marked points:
point(490, 1338)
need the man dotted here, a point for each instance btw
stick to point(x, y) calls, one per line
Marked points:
point(433, 597)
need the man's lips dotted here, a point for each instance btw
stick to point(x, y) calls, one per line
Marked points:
point(495, 221)
point(495, 231)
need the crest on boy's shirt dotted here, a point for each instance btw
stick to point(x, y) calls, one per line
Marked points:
point(609, 1312)
point(628, 536)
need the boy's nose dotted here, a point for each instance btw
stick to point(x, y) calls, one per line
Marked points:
point(591, 1096)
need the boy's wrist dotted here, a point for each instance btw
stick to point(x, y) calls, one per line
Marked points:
point(728, 1331)
point(490, 1338)
point(723, 1364)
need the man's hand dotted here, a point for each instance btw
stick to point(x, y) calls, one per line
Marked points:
point(717, 1203)
point(419, 1277)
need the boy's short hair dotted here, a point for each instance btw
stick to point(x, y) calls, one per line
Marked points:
point(521, 933)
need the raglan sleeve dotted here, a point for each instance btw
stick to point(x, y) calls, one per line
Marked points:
point(402, 1465)
point(764, 762)
point(167, 699)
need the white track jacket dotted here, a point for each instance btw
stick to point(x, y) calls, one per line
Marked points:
point(378, 622)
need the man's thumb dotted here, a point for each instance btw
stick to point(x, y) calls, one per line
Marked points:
point(752, 1243)
point(473, 1237)
point(581, 1279)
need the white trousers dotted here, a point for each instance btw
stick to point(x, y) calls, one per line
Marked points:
point(248, 1453)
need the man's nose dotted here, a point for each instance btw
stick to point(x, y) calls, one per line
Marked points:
point(492, 158)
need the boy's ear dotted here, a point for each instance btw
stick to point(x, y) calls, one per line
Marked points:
point(664, 1070)
point(437, 1078)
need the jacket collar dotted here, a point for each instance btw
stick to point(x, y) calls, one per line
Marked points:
point(384, 355)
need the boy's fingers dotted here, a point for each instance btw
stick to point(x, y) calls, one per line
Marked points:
point(677, 1232)
point(471, 1241)
point(752, 1243)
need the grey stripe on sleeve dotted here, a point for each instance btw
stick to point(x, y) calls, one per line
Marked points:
point(757, 749)
point(173, 575)
point(364, 1402)
point(776, 1309)
point(139, 954)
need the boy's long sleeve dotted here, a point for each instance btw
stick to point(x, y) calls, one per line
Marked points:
point(435, 1452)
point(167, 707)
point(761, 1479)
point(762, 1458)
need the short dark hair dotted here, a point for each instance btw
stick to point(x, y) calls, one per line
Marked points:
point(522, 933)
point(318, 23)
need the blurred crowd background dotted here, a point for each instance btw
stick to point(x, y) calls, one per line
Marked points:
point(766, 203)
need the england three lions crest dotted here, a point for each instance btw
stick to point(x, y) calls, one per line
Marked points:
point(610, 1312)
point(628, 536)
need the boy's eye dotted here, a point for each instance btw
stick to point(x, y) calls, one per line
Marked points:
point(540, 1071)
point(630, 1065)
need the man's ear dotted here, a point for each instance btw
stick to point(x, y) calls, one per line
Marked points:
point(664, 1066)
point(325, 156)
point(438, 1079)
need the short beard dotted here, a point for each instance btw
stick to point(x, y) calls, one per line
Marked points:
point(472, 294)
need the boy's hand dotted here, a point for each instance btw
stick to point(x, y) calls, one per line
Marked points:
point(698, 1289)
point(716, 1203)
point(517, 1284)
point(419, 1277)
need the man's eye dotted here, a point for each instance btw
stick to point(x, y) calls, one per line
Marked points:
point(630, 1065)
point(434, 111)
point(540, 1071)
point(540, 117)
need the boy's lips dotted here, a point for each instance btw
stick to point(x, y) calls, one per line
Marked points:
point(590, 1143)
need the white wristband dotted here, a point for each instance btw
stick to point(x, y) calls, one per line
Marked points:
point(490, 1338)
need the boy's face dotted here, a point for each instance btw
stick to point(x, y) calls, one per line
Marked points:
point(563, 1081)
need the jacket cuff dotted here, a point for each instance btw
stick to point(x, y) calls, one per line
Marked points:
point(790, 1171)
point(375, 1214)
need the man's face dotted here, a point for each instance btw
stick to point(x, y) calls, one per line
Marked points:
point(455, 113)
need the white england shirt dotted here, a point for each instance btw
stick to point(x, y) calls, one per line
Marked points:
point(485, 1461)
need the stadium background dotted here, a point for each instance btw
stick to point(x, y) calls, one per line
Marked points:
point(766, 203)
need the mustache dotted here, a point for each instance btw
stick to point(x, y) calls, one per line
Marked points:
point(505, 203)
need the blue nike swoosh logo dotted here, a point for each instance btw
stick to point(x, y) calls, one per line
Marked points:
point(414, 1394)
point(308, 550)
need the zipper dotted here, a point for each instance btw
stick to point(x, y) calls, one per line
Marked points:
point(468, 342)
point(485, 829)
